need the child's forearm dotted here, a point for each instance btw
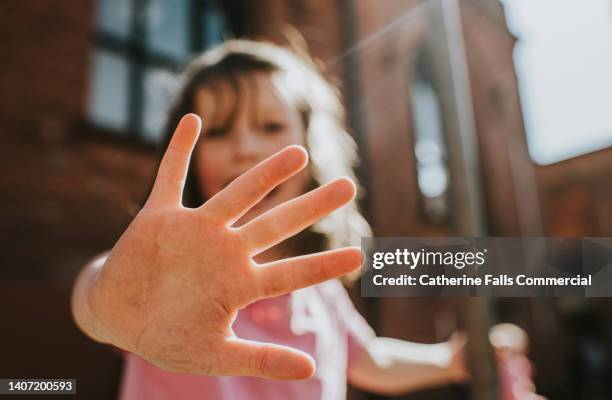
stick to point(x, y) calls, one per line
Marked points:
point(393, 366)
point(81, 311)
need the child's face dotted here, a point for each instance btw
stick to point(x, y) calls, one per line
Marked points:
point(263, 124)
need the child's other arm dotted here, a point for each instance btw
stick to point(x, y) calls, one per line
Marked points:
point(393, 366)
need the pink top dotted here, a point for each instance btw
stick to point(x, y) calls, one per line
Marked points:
point(319, 320)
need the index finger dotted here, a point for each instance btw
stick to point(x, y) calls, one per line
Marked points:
point(170, 180)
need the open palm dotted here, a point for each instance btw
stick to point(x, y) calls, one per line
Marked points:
point(174, 282)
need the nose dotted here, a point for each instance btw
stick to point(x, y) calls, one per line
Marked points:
point(246, 144)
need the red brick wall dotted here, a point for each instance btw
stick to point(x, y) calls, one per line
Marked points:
point(577, 195)
point(45, 52)
point(67, 193)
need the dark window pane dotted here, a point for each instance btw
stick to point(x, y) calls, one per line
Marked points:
point(131, 85)
point(115, 16)
point(167, 27)
point(109, 93)
point(213, 24)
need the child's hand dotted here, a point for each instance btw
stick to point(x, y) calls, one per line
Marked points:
point(173, 283)
point(457, 367)
point(510, 344)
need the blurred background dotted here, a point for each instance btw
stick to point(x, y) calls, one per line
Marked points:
point(474, 117)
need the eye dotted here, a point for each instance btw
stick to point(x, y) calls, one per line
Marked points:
point(214, 133)
point(273, 127)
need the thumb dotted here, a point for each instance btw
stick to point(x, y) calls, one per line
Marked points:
point(264, 360)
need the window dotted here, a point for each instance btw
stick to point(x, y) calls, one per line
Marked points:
point(139, 45)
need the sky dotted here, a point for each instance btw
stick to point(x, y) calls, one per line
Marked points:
point(563, 61)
